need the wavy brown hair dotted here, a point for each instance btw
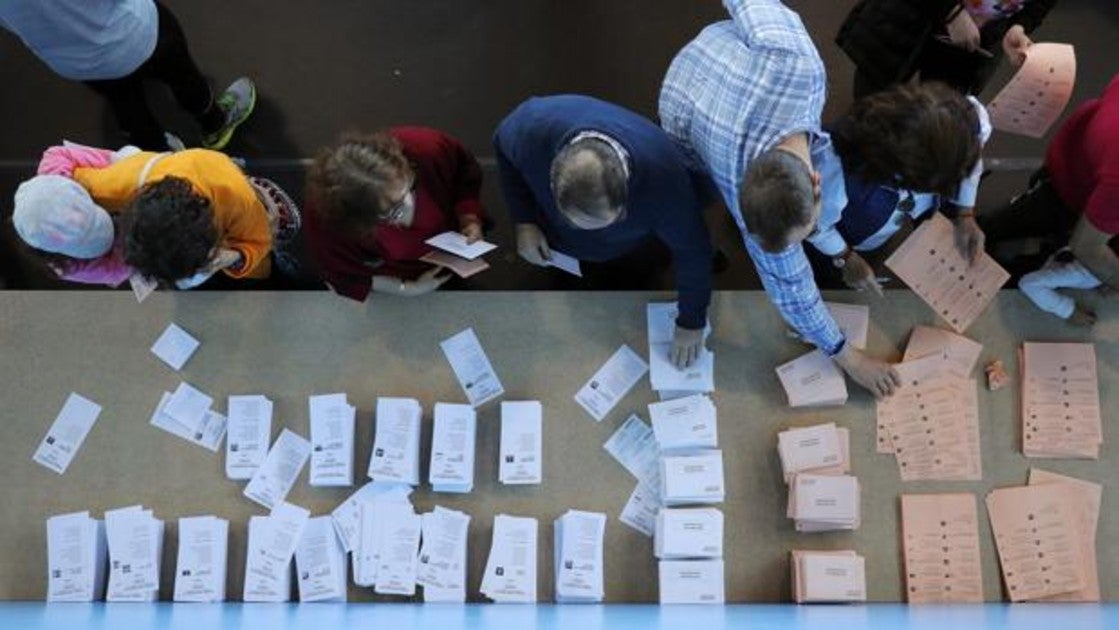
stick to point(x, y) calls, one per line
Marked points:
point(346, 181)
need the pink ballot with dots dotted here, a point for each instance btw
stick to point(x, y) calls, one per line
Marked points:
point(1035, 97)
point(940, 540)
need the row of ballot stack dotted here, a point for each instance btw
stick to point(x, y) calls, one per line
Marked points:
point(815, 461)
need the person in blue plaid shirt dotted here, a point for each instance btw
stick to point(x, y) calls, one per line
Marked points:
point(743, 100)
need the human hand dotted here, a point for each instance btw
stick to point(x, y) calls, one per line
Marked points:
point(687, 344)
point(859, 275)
point(1015, 44)
point(875, 375)
point(969, 238)
point(225, 259)
point(429, 281)
point(471, 228)
point(531, 244)
point(963, 32)
point(1082, 316)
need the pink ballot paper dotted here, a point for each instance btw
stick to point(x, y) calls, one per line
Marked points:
point(1060, 401)
point(1035, 97)
point(931, 264)
point(940, 538)
point(1087, 499)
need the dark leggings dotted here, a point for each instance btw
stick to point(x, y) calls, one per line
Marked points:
point(170, 63)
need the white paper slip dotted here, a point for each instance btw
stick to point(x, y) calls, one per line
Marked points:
point(692, 478)
point(175, 347)
point(813, 380)
point(578, 562)
point(685, 423)
point(320, 563)
point(332, 440)
point(209, 436)
point(399, 548)
point(640, 511)
point(687, 533)
point(472, 368)
point(188, 406)
point(634, 446)
point(853, 321)
point(806, 448)
point(270, 550)
point(455, 243)
point(611, 382)
point(510, 573)
point(522, 443)
point(691, 582)
point(135, 543)
point(66, 434)
point(202, 557)
point(271, 482)
point(452, 448)
point(396, 442)
point(142, 286)
point(77, 558)
point(563, 262)
point(249, 426)
point(347, 516)
point(442, 561)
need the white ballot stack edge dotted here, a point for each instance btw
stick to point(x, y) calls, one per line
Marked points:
point(396, 442)
point(691, 581)
point(510, 574)
point(320, 563)
point(332, 440)
point(271, 482)
point(820, 503)
point(692, 478)
point(77, 558)
point(249, 432)
point(203, 553)
point(135, 543)
point(578, 557)
point(522, 451)
point(685, 423)
point(828, 576)
point(270, 552)
point(688, 534)
point(209, 435)
point(442, 560)
point(453, 437)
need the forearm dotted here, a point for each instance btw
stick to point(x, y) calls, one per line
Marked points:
point(390, 285)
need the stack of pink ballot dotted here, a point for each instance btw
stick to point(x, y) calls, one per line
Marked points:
point(1045, 536)
point(940, 540)
point(824, 503)
point(1060, 401)
point(932, 423)
point(822, 449)
point(828, 576)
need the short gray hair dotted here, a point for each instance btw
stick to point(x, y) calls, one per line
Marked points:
point(588, 177)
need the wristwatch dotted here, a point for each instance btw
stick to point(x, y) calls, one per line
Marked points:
point(840, 261)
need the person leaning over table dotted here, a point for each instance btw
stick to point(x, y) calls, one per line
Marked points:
point(373, 199)
point(939, 171)
point(596, 181)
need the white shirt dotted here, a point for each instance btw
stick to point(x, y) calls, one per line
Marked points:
point(85, 40)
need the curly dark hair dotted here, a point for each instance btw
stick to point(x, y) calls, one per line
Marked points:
point(346, 180)
point(921, 137)
point(169, 231)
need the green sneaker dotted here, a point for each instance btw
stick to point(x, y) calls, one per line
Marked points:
point(237, 103)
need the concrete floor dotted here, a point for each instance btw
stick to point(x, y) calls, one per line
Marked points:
point(323, 68)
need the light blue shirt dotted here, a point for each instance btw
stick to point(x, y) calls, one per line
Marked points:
point(85, 40)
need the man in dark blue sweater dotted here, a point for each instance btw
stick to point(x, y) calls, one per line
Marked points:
point(595, 181)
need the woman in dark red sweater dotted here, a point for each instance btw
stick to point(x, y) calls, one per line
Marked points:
point(374, 199)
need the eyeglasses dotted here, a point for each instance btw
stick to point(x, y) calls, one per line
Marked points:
point(398, 210)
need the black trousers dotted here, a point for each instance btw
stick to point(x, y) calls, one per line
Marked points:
point(171, 64)
point(1037, 213)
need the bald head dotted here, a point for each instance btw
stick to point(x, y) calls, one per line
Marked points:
point(589, 183)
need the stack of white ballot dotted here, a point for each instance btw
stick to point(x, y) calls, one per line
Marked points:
point(685, 423)
point(271, 482)
point(76, 558)
point(186, 413)
point(692, 582)
point(442, 561)
point(522, 453)
point(320, 563)
point(692, 478)
point(452, 448)
point(347, 516)
point(388, 543)
point(250, 431)
point(828, 576)
point(396, 442)
point(332, 440)
point(663, 374)
point(510, 575)
point(813, 380)
point(135, 542)
point(578, 557)
point(821, 503)
point(822, 449)
point(688, 533)
point(200, 567)
point(268, 555)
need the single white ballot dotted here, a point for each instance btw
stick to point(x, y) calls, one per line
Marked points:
point(685, 423)
point(578, 562)
point(691, 582)
point(692, 478)
point(807, 448)
point(270, 550)
point(275, 477)
point(510, 574)
point(201, 561)
point(332, 440)
point(828, 576)
point(67, 433)
point(175, 347)
point(399, 548)
point(640, 511)
point(634, 446)
point(77, 558)
point(347, 516)
point(188, 407)
point(687, 533)
point(452, 448)
point(442, 561)
point(396, 442)
point(455, 243)
point(135, 543)
point(824, 502)
point(320, 563)
point(563, 262)
point(472, 368)
point(142, 286)
point(813, 380)
point(663, 373)
point(522, 449)
point(249, 426)
point(209, 436)
point(611, 382)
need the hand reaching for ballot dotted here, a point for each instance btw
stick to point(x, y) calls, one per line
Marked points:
point(1015, 44)
point(686, 346)
point(873, 374)
point(969, 238)
point(470, 227)
point(429, 281)
point(531, 244)
point(859, 275)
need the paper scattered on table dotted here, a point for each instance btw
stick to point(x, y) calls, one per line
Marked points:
point(688, 533)
point(522, 449)
point(685, 423)
point(813, 380)
point(77, 558)
point(332, 440)
point(1037, 94)
point(663, 373)
point(188, 406)
point(692, 478)
point(66, 434)
point(461, 267)
point(142, 286)
point(249, 428)
point(691, 581)
point(455, 243)
point(510, 573)
point(640, 511)
point(940, 546)
point(271, 482)
point(611, 382)
point(563, 262)
point(1087, 502)
point(320, 563)
point(396, 442)
point(135, 543)
point(175, 347)
point(472, 367)
point(823, 503)
point(634, 446)
point(270, 550)
point(386, 518)
point(208, 436)
point(960, 352)
point(579, 558)
point(828, 576)
point(452, 448)
point(347, 516)
point(1060, 401)
point(202, 558)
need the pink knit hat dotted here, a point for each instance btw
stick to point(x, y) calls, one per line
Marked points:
point(55, 214)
